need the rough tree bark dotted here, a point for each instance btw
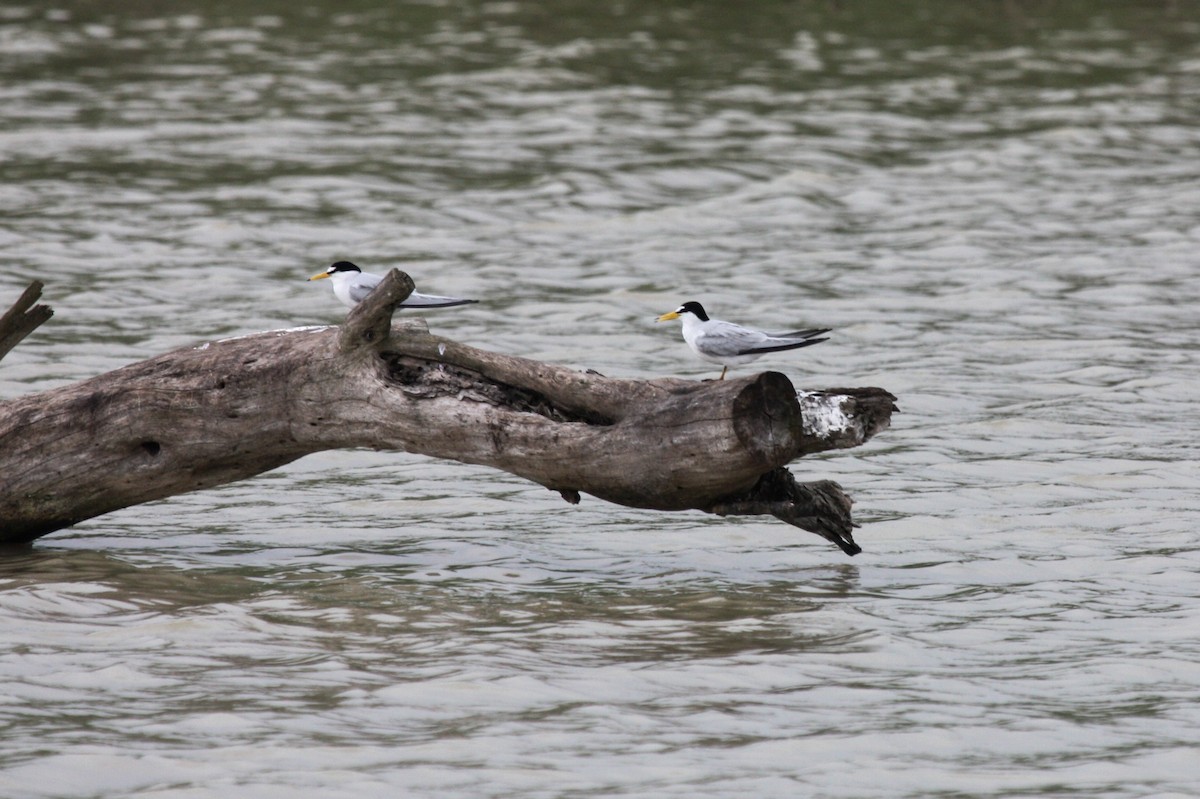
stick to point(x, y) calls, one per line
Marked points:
point(226, 410)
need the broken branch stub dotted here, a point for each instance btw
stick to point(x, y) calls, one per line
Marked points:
point(23, 318)
point(368, 323)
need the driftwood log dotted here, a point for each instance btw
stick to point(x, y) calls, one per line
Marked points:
point(226, 410)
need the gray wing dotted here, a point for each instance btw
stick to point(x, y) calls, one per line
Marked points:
point(726, 339)
point(788, 341)
point(416, 300)
point(366, 282)
point(777, 344)
point(362, 286)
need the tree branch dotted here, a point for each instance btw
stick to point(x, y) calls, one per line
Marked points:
point(367, 325)
point(22, 318)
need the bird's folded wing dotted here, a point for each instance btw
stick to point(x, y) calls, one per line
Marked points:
point(778, 344)
point(728, 340)
point(362, 286)
point(416, 300)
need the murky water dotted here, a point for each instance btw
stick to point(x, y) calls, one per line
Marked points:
point(996, 208)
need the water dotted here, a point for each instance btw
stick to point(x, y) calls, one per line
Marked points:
point(994, 207)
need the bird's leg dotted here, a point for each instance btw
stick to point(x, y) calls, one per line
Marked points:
point(724, 369)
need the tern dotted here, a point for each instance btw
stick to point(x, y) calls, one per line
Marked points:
point(733, 345)
point(351, 285)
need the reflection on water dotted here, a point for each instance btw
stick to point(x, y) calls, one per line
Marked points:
point(991, 205)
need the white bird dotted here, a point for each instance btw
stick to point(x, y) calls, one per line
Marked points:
point(351, 285)
point(733, 345)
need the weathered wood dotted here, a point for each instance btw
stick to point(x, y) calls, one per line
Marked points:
point(820, 507)
point(22, 318)
point(225, 410)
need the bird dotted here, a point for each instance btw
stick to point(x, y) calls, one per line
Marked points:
point(351, 285)
point(733, 345)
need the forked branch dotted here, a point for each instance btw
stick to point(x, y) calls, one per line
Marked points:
point(22, 318)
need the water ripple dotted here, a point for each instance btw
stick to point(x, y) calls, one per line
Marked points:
point(993, 208)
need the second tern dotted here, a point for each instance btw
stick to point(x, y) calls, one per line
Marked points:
point(733, 345)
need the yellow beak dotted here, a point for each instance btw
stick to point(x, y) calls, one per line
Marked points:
point(321, 276)
point(667, 317)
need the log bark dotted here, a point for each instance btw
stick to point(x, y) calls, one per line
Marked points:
point(22, 318)
point(226, 410)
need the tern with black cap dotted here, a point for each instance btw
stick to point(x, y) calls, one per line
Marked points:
point(733, 345)
point(351, 285)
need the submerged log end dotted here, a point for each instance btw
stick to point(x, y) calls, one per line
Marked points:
point(819, 507)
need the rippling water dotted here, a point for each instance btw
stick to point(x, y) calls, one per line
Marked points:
point(994, 205)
